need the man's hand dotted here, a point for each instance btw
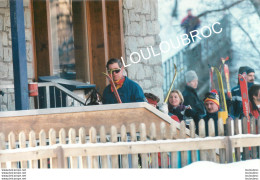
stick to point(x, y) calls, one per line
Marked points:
point(164, 108)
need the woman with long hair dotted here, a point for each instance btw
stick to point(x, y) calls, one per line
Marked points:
point(254, 97)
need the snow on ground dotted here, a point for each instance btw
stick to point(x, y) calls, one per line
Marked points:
point(196, 171)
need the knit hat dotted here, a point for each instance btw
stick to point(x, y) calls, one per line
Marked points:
point(249, 70)
point(151, 98)
point(242, 69)
point(212, 96)
point(190, 75)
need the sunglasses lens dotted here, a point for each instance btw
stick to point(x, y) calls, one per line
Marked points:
point(118, 70)
point(114, 70)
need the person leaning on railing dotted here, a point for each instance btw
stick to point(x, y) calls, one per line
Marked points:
point(176, 109)
point(128, 90)
point(211, 102)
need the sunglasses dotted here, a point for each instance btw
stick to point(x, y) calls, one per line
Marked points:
point(110, 71)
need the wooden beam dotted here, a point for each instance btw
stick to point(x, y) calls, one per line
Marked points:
point(96, 43)
point(41, 40)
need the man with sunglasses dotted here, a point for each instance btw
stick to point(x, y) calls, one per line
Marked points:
point(128, 90)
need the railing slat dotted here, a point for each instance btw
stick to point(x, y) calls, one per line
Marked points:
point(22, 144)
point(174, 154)
point(32, 143)
point(125, 163)
point(103, 139)
point(164, 156)
point(114, 158)
point(62, 140)
point(83, 163)
point(42, 139)
point(202, 134)
point(93, 139)
point(244, 130)
point(133, 139)
point(184, 158)
point(72, 140)
point(236, 129)
point(154, 156)
point(211, 153)
point(2, 147)
point(192, 135)
point(11, 140)
point(222, 152)
point(253, 131)
point(52, 139)
point(144, 157)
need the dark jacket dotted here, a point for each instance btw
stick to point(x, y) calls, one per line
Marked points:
point(182, 112)
point(237, 110)
point(206, 118)
point(191, 98)
point(129, 92)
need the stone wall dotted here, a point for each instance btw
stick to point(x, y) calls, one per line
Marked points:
point(141, 30)
point(6, 61)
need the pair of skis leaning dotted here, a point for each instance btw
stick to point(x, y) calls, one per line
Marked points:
point(243, 88)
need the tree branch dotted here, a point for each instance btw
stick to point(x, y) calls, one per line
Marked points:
point(256, 4)
point(217, 10)
point(247, 34)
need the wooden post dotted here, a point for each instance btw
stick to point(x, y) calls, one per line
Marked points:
point(103, 139)
point(72, 140)
point(42, 139)
point(174, 155)
point(228, 148)
point(133, 139)
point(192, 135)
point(62, 140)
point(11, 139)
point(52, 139)
point(202, 134)
point(237, 150)
point(154, 156)
point(184, 160)
point(144, 157)
point(2, 147)
point(125, 163)
point(229, 156)
point(164, 156)
point(22, 144)
point(19, 55)
point(211, 128)
point(83, 163)
point(253, 131)
point(229, 127)
point(244, 130)
point(114, 158)
point(93, 139)
point(32, 143)
point(60, 157)
point(221, 132)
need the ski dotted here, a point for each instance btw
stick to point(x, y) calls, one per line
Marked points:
point(174, 77)
point(169, 91)
point(226, 73)
point(113, 87)
point(244, 95)
point(211, 82)
point(223, 114)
